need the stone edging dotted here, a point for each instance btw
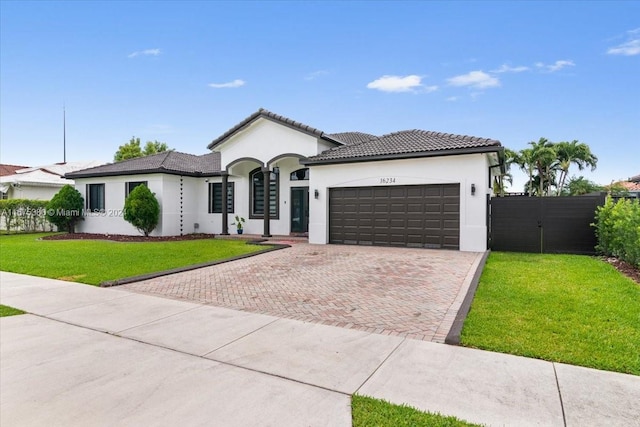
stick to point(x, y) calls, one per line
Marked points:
point(453, 337)
point(125, 281)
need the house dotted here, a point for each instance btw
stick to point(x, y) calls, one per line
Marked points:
point(411, 188)
point(632, 185)
point(37, 183)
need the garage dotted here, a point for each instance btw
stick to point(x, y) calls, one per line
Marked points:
point(420, 216)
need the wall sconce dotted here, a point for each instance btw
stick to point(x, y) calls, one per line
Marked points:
point(473, 189)
point(316, 194)
point(276, 170)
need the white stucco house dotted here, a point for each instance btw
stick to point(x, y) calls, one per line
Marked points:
point(40, 182)
point(411, 188)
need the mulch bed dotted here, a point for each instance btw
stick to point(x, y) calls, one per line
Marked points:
point(123, 238)
point(625, 268)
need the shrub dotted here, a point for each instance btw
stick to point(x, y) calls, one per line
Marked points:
point(618, 229)
point(142, 210)
point(65, 208)
point(23, 214)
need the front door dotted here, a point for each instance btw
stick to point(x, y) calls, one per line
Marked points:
point(299, 209)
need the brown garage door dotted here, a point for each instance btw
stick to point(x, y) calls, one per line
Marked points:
point(423, 216)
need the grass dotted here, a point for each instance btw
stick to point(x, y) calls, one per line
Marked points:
point(562, 308)
point(6, 311)
point(96, 261)
point(369, 412)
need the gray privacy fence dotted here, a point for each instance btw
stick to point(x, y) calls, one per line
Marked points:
point(544, 224)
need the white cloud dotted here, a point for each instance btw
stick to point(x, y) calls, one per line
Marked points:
point(147, 52)
point(429, 89)
point(556, 66)
point(452, 99)
point(475, 79)
point(409, 83)
point(504, 68)
point(232, 84)
point(314, 75)
point(629, 48)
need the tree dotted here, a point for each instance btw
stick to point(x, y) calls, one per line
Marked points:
point(510, 157)
point(579, 186)
point(142, 210)
point(524, 159)
point(132, 149)
point(573, 152)
point(65, 208)
point(545, 159)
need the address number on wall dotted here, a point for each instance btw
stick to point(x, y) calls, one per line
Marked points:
point(387, 180)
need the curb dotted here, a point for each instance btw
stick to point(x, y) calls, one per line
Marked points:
point(262, 242)
point(453, 337)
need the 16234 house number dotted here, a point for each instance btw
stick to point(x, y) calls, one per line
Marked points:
point(387, 180)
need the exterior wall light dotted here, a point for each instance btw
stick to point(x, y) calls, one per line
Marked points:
point(473, 189)
point(276, 170)
point(316, 193)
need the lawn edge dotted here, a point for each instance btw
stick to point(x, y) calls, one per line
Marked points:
point(132, 279)
point(453, 337)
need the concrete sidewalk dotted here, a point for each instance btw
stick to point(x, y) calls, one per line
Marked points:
point(89, 356)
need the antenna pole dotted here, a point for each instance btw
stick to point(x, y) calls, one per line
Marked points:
point(64, 134)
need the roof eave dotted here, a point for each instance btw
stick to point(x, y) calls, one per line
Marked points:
point(142, 172)
point(267, 115)
point(403, 156)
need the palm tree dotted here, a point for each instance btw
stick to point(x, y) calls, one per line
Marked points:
point(510, 157)
point(524, 159)
point(545, 159)
point(573, 152)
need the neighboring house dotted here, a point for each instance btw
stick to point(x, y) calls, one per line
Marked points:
point(411, 188)
point(37, 183)
point(632, 185)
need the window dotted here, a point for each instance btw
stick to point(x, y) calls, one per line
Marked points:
point(215, 197)
point(300, 175)
point(256, 196)
point(95, 197)
point(3, 195)
point(129, 186)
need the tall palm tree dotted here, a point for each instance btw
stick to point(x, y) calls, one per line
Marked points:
point(545, 159)
point(510, 157)
point(524, 159)
point(574, 152)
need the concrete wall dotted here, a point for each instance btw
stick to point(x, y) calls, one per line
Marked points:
point(32, 192)
point(112, 220)
point(464, 169)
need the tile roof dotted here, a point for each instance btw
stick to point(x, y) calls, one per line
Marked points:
point(405, 144)
point(10, 169)
point(270, 116)
point(348, 138)
point(171, 162)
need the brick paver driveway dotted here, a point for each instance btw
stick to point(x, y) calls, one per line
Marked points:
point(396, 291)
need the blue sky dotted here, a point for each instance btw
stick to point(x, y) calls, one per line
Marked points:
point(185, 72)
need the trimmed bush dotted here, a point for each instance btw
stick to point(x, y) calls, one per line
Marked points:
point(618, 229)
point(66, 208)
point(142, 210)
point(23, 215)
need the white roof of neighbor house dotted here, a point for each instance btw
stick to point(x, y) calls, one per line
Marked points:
point(44, 176)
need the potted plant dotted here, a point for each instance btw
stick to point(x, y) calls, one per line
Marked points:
point(238, 224)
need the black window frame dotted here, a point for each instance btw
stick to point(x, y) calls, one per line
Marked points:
point(274, 193)
point(128, 188)
point(294, 176)
point(215, 197)
point(99, 198)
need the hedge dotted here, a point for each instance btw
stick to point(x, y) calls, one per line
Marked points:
point(618, 229)
point(23, 215)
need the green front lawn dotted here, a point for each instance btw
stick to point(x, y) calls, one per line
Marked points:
point(562, 308)
point(369, 412)
point(5, 311)
point(96, 261)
